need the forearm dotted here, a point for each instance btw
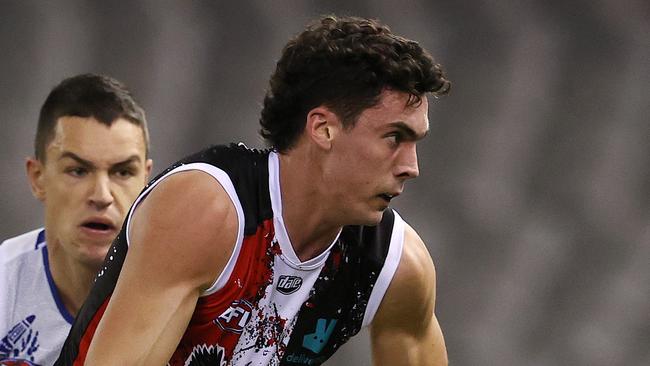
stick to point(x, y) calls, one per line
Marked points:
point(144, 333)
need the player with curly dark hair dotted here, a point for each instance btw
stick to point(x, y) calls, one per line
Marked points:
point(343, 64)
point(235, 256)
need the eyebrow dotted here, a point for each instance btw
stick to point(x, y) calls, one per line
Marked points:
point(408, 131)
point(89, 164)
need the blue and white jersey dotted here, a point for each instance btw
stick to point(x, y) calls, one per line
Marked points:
point(33, 321)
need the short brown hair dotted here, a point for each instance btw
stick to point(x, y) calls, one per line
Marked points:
point(87, 95)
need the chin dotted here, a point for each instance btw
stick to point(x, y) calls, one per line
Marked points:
point(95, 258)
point(370, 218)
point(377, 219)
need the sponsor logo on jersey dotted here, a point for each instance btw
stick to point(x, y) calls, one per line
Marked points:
point(289, 284)
point(303, 359)
point(235, 317)
point(316, 341)
point(20, 343)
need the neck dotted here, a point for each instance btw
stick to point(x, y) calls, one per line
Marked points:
point(306, 211)
point(73, 280)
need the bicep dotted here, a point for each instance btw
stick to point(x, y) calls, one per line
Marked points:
point(175, 251)
point(405, 330)
point(402, 347)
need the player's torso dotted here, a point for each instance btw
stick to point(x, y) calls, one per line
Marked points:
point(277, 310)
point(250, 320)
point(268, 307)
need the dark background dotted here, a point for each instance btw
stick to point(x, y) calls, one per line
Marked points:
point(535, 181)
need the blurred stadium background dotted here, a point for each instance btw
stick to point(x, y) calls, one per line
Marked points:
point(534, 194)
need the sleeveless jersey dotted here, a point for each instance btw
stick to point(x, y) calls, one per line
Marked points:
point(267, 307)
point(33, 320)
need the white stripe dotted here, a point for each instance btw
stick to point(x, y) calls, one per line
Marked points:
point(223, 179)
point(387, 271)
point(288, 253)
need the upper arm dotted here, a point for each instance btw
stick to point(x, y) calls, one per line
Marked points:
point(181, 237)
point(405, 330)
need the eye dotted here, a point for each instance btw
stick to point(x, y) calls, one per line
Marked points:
point(77, 172)
point(394, 138)
point(125, 173)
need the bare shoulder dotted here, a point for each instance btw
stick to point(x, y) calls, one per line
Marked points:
point(181, 236)
point(411, 296)
point(405, 330)
point(188, 218)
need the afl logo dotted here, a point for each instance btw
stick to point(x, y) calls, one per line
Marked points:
point(234, 319)
point(289, 284)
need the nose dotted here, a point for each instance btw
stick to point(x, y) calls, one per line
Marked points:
point(101, 195)
point(407, 167)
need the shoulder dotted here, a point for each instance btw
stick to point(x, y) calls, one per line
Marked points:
point(416, 272)
point(242, 171)
point(234, 158)
point(185, 196)
point(406, 324)
point(410, 298)
point(18, 245)
point(189, 219)
point(22, 279)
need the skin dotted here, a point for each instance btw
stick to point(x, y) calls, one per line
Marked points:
point(90, 176)
point(405, 330)
point(155, 296)
point(383, 144)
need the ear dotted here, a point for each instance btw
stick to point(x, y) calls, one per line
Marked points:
point(148, 165)
point(35, 175)
point(323, 125)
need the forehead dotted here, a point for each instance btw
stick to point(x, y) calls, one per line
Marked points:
point(95, 141)
point(393, 107)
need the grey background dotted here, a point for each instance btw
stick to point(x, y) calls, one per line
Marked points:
point(534, 186)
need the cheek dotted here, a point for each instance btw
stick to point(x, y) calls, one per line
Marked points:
point(65, 195)
point(361, 156)
point(358, 166)
point(370, 164)
point(61, 214)
point(357, 177)
point(127, 193)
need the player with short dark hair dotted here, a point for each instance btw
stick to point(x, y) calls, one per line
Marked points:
point(277, 257)
point(90, 163)
point(88, 95)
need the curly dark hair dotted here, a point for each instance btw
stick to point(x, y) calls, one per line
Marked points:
point(343, 63)
point(87, 95)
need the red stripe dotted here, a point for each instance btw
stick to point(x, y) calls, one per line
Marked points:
point(250, 277)
point(84, 344)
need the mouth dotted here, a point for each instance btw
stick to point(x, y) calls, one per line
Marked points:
point(99, 225)
point(387, 196)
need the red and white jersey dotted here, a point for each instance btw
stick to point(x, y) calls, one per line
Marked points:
point(267, 307)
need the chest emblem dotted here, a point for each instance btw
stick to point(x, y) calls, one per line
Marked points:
point(235, 317)
point(21, 341)
point(289, 284)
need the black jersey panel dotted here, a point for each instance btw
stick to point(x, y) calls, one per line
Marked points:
point(335, 310)
point(248, 170)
